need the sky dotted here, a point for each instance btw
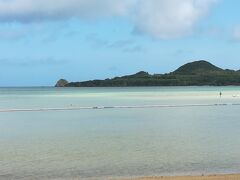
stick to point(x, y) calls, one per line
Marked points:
point(42, 41)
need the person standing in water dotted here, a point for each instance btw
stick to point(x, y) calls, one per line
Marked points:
point(220, 94)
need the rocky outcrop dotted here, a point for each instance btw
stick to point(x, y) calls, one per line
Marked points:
point(61, 83)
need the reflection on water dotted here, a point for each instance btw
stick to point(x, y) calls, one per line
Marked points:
point(105, 143)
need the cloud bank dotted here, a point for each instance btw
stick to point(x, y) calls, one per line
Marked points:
point(170, 18)
point(161, 19)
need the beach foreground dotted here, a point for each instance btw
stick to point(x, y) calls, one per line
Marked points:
point(160, 131)
point(210, 177)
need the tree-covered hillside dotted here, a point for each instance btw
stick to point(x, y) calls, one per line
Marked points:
point(198, 73)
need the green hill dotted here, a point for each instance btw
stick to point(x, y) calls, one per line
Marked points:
point(198, 73)
point(197, 67)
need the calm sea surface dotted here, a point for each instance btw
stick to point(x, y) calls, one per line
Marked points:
point(113, 143)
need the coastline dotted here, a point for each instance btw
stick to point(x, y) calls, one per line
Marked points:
point(203, 177)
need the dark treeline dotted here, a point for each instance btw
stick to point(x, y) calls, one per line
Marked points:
point(198, 73)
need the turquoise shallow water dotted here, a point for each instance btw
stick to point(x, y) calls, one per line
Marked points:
point(112, 143)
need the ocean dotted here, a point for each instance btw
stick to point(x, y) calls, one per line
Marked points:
point(111, 133)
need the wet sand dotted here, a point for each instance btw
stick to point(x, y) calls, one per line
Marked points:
point(212, 177)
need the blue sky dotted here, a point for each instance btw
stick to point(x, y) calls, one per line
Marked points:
point(42, 41)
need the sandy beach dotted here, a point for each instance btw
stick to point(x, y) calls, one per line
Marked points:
point(210, 177)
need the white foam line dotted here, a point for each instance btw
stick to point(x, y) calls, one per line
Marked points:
point(115, 107)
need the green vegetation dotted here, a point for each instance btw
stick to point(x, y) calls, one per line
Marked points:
point(198, 73)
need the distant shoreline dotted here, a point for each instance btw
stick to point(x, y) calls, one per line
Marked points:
point(69, 87)
point(207, 177)
point(198, 73)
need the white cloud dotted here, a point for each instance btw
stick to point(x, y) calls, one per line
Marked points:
point(159, 18)
point(36, 10)
point(169, 18)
